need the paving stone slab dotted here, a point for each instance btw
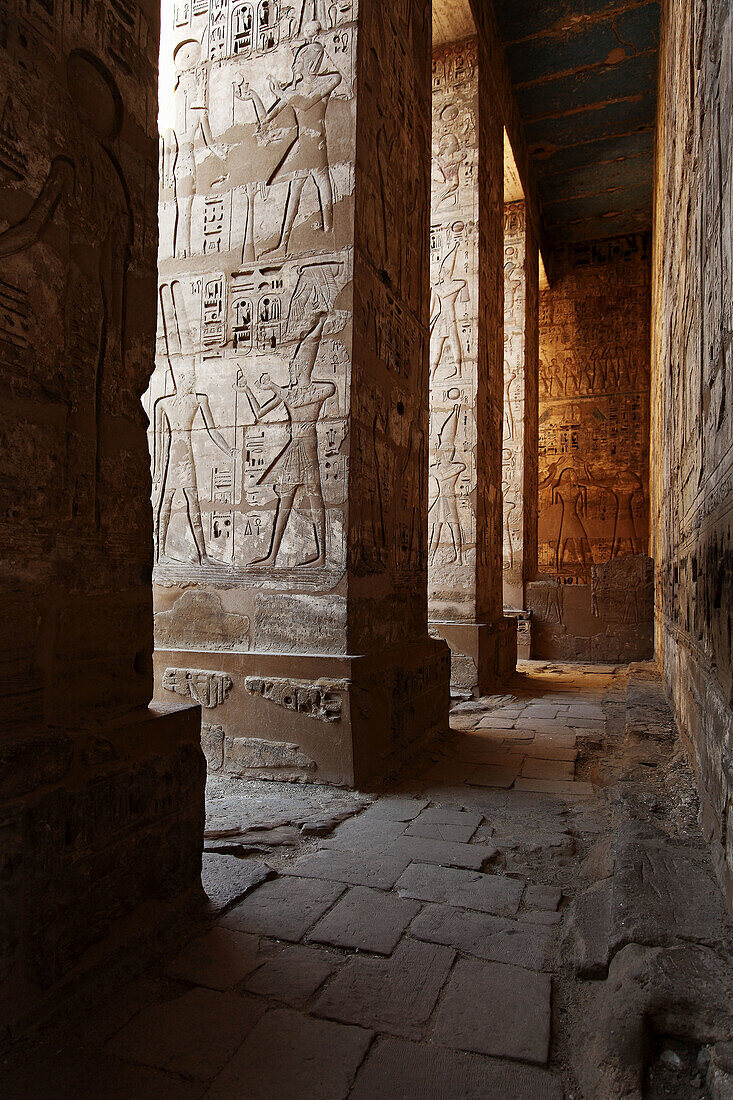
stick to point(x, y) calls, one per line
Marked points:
point(537, 768)
point(395, 995)
point(561, 787)
point(540, 916)
point(542, 725)
point(432, 830)
point(496, 894)
point(448, 815)
point(53, 1074)
point(284, 908)
point(118, 1007)
point(194, 1035)
point(443, 852)
point(362, 834)
point(289, 1056)
point(498, 756)
point(220, 959)
point(367, 920)
point(380, 871)
point(395, 809)
point(495, 939)
point(226, 879)
point(540, 710)
point(486, 775)
point(503, 1011)
point(542, 897)
point(401, 1070)
point(493, 722)
point(294, 974)
point(543, 749)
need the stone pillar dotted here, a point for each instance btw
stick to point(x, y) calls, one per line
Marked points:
point(94, 786)
point(520, 437)
point(464, 518)
point(288, 411)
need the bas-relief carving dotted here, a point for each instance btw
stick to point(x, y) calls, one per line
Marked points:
point(210, 689)
point(73, 208)
point(321, 700)
point(594, 411)
point(250, 401)
point(254, 753)
point(453, 326)
point(513, 449)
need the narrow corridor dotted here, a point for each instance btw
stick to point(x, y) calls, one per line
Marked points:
point(444, 938)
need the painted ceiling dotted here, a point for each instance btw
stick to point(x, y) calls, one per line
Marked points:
point(584, 73)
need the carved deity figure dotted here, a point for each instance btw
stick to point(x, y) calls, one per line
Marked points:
point(448, 159)
point(445, 294)
point(305, 98)
point(92, 187)
point(174, 415)
point(571, 492)
point(446, 470)
point(191, 124)
point(625, 486)
point(296, 469)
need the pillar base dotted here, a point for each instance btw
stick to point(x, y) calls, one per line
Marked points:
point(483, 655)
point(337, 719)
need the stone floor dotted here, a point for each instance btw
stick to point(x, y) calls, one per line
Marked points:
point(465, 933)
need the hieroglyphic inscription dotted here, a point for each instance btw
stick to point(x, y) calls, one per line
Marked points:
point(594, 409)
point(320, 700)
point(249, 413)
point(453, 327)
point(513, 437)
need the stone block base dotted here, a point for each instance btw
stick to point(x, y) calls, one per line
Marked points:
point(103, 831)
point(524, 632)
point(483, 655)
point(324, 719)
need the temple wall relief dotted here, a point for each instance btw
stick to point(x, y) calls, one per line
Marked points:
point(692, 422)
point(519, 437)
point(95, 787)
point(593, 454)
point(464, 491)
point(288, 416)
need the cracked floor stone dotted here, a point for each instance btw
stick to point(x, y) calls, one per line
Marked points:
point(487, 928)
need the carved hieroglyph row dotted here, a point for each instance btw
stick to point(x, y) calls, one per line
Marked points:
point(249, 404)
point(453, 324)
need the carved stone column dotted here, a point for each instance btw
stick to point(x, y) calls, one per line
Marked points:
point(464, 520)
point(96, 787)
point(288, 412)
point(520, 437)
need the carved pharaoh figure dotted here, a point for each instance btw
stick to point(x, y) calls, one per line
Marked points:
point(448, 159)
point(306, 97)
point(174, 466)
point(296, 469)
point(191, 124)
point(446, 470)
point(446, 292)
point(571, 492)
point(90, 184)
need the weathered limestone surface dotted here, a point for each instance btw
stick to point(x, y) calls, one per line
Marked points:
point(288, 410)
point(692, 424)
point(101, 800)
point(593, 599)
point(464, 501)
point(520, 432)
